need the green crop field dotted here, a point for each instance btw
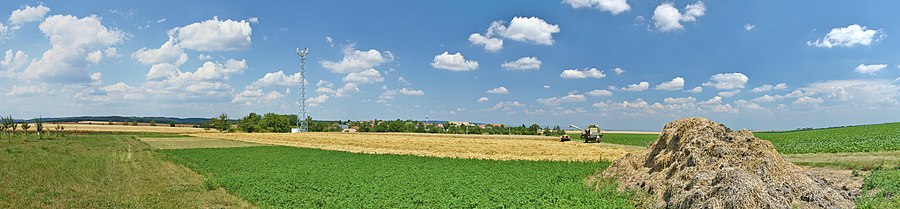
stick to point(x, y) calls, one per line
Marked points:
point(287, 177)
point(868, 138)
point(881, 189)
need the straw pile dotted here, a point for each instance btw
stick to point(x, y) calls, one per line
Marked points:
point(697, 163)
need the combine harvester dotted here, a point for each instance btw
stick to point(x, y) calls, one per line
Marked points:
point(591, 134)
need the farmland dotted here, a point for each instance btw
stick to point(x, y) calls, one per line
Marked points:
point(439, 145)
point(868, 138)
point(99, 171)
point(287, 177)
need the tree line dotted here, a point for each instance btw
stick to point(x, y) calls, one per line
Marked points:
point(278, 123)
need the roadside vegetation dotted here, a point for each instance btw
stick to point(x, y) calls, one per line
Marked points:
point(287, 177)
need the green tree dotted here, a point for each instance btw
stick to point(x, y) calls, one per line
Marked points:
point(152, 122)
point(39, 125)
point(13, 124)
point(221, 123)
point(7, 126)
point(250, 123)
point(272, 122)
point(25, 127)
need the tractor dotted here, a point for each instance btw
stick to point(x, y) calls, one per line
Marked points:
point(591, 134)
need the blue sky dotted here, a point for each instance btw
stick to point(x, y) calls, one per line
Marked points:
point(621, 64)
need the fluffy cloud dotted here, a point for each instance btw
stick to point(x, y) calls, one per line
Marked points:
point(869, 69)
point(767, 87)
point(169, 52)
point(674, 85)
point(618, 71)
point(599, 92)
point(612, 6)
point(506, 106)
point(637, 87)
point(490, 44)
point(453, 62)
point(317, 100)
point(255, 96)
point(19, 91)
point(729, 93)
point(586, 73)
point(411, 92)
point(808, 100)
point(280, 79)
point(555, 101)
point(849, 36)
point(356, 60)
point(71, 40)
point(12, 61)
point(214, 35)
point(667, 18)
point(498, 90)
point(680, 100)
point(483, 99)
point(364, 77)
point(206, 83)
point(696, 90)
point(525, 29)
point(864, 93)
point(28, 14)
point(524, 63)
point(727, 81)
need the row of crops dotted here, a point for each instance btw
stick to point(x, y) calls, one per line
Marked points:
point(868, 138)
point(288, 177)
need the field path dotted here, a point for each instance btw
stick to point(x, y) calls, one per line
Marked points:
point(493, 147)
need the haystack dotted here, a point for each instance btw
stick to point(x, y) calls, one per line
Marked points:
point(697, 163)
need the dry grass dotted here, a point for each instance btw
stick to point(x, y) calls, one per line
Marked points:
point(851, 160)
point(194, 142)
point(438, 145)
point(84, 128)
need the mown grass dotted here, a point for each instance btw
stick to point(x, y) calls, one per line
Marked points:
point(99, 171)
point(640, 140)
point(881, 189)
point(288, 177)
point(867, 138)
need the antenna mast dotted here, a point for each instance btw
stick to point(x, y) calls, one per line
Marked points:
point(302, 125)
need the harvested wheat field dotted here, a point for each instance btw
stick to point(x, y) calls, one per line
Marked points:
point(72, 127)
point(452, 146)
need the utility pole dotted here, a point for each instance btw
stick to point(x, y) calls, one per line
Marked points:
point(302, 125)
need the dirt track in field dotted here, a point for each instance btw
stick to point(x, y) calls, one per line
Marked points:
point(439, 145)
point(195, 142)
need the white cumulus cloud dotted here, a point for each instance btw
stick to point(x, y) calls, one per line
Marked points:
point(453, 62)
point(412, 92)
point(849, 36)
point(356, 60)
point(71, 40)
point(869, 69)
point(667, 18)
point(637, 87)
point(498, 90)
point(214, 35)
point(525, 29)
point(524, 63)
point(674, 85)
point(490, 44)
point(364, 77)
point(612, 6)
point(599, 92)
point(727, 81)
point(586, 73)
point(28, 14)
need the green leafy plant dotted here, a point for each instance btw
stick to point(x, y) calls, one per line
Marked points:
point(39, 125)
point(25, 127)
